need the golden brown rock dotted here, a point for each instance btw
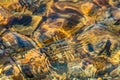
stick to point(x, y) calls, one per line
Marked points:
point(87, 7)
point(38, 62)
point(5, 16)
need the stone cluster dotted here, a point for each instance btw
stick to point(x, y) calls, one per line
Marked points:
point(59, 40)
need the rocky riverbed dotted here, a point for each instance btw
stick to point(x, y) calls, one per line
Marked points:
point(59, 39)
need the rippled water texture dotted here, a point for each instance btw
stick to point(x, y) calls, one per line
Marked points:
point(59, 39)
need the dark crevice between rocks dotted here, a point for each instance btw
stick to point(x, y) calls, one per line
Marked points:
point(25, 20)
